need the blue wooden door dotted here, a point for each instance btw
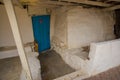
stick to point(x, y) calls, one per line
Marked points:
point(41, 29)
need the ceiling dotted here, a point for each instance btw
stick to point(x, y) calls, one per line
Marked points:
point(102, 4)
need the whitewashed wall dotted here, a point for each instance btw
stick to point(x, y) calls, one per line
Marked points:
point(59, 41)
point(103, 56)
point(6, 37)
point(25, 26)
point(89, 25)
point(24, 22)
point(60, 25)
point(37, 10)
point(52, 23)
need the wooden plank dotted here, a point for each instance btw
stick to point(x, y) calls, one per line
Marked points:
point(113, 7)
point(17, 38)
point(59, 3)
point(30, 1)
point(95, 3)
point(43, 5)
point(52, 3)
point(113, 0)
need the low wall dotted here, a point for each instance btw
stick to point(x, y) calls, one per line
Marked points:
point(12, 52)
point(103, 56)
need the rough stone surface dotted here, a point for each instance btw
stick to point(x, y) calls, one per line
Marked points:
point(58, 45)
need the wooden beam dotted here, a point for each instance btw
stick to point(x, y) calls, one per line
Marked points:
point(29, 1)
point(113, 0)
point(58, 3)
point(94, 3)
point(17, 38)
point(44, 6)
point(113, 7)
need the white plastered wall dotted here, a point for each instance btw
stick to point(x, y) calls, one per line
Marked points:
point(6, 36)
point(77, 27)
point(103, 56)
point(25, 26)
point(60, 25)
point(59, 41)
point(89, 25)
point(24, 22)
point(83, 27)
point(37, 10)
point(52, 24)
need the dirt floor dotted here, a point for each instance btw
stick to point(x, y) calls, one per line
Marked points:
point(53, 66)
point(51, 63)
point(10, 68)
point(111, 74)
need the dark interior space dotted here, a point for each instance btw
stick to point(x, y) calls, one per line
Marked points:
point(117, 23)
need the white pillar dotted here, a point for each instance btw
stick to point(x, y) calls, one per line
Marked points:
point(17, 38)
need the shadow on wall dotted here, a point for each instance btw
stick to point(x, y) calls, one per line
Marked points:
point(117, 24)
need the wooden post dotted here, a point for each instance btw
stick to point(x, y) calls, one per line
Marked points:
point(17, 38)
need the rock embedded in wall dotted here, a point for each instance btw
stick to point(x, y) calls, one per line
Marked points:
point(58, 45)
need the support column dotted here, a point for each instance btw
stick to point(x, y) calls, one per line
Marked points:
point(17, 38)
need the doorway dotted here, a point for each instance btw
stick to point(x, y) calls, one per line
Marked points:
point(41, 30)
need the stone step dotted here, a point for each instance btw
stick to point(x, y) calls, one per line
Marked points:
point(76, 58)
point(73, 76)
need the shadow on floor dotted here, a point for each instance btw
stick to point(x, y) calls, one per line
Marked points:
point(52, 65)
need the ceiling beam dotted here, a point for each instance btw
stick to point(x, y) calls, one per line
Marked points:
point(113, 0)
point(30, 1)
point(45, 6)
point(45, 2)
point(94, 3)
point(113, 7)
point(56, 3)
